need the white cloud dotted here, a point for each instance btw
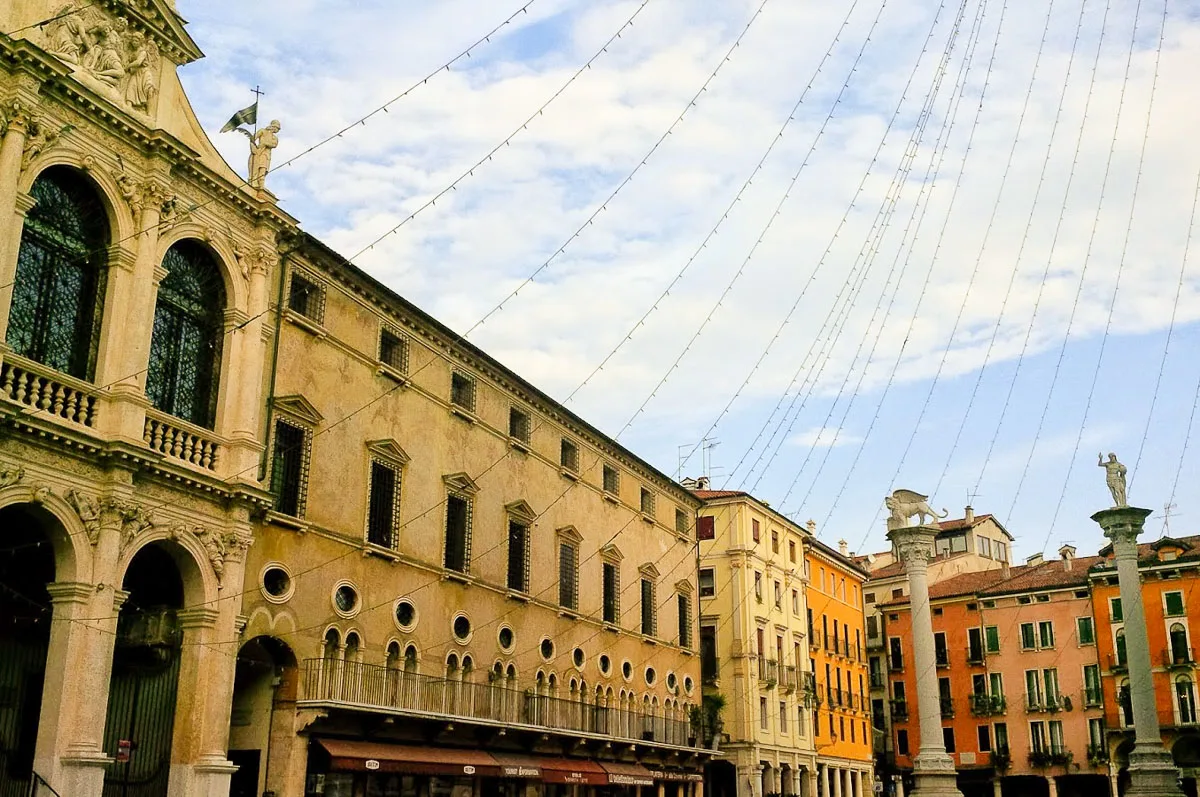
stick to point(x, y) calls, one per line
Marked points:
point(824, 437)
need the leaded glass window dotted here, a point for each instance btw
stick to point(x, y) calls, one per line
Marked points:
point(185, 349)
point(58, 293)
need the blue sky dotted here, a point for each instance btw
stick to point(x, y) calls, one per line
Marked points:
point(892, 256)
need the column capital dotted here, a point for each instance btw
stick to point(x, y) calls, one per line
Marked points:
point(200, 617)
point(914, 544)
point(1122, 525)
point(70, 592)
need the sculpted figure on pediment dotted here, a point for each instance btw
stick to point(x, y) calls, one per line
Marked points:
point(123, 60)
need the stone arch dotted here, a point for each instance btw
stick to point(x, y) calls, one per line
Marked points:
point(68, 536)
point(120, 215)
point(200, 585)
point(236, 290)
point(266, 686)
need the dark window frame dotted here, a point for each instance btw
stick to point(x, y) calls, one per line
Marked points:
point(383, 509)
point(456, 553)
point(290, 461)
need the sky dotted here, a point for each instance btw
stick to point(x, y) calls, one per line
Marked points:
point(855, 246)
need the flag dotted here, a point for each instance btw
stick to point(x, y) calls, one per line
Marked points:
point(246, 116)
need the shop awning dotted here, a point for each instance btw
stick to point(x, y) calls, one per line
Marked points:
point(573, 770)
point(518, 766)
point(375, 757)
point(627, 774)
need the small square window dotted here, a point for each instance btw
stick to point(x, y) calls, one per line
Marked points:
point(647, 502)
point(612, 480)
point(393, 351)
point(306, 298)
point(519, 425)
point(462, 391)
point(1024, 600)
point(569, 456)
point(708, 584)
point(1043, 598)
point(681, 521)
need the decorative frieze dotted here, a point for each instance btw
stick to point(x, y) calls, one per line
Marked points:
point(96, 513)
point(221, 546)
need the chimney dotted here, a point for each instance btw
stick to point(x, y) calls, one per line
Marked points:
point(1005, 573)
point(1067, 552)
point(1034, 559)
point(969, 515)
point(688, 483)
point(843, 548)
point(702, 483)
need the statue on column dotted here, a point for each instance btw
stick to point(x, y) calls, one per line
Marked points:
point(904, 505)
point(1114, 473)
point(261, 145)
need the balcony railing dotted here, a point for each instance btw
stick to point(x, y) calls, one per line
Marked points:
point(1035, 703)
point(1117, 663)
point(947, 706)
point(371, 687)
point(895, 664)
point(180, 440)
point(942, 657)
point(46, 390)
point(1054, 755)
point(1097, 754)
point(1178, 657)
point(899, 709)
point(983, 705)
point(974, 655)
point(878, 680)
point(768, 671)
point(1093, 697)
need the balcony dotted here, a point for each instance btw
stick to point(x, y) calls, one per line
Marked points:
point(1093, 697)
point(896, 664)
point(48, 391)
point(1035, 703)
point(983, 705)
point(332, 684)
point(878, 680)
point(1117, 663)
point(975, 656)
point(899, 710)
point(768, 672)
point(1050, 756)
point(790, 680)
point(1097, 754)
point(1178, 657)
point(941, 657)
point(947, 706)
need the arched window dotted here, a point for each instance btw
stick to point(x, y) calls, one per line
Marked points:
point(1122, 658)
point(1179, 644)
point(1185, 693)
point(185, 347)
point(58, 293)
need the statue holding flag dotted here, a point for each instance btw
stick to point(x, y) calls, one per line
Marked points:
point(262, 142)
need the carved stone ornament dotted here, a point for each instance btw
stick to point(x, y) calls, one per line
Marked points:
point(88, 509)
point(258, 260)
point(40, 135)
point(14, 115)
point(221, 546)
point(904, 505)
point(10, 476)
point(134, 518)
point(913, 546)
point(122, 62)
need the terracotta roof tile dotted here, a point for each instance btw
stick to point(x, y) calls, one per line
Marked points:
point(1048, 575)
point(708, 494)
point(966, 583)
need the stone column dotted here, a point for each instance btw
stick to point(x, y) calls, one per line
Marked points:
point(998, 789)
point(1152, 771)
point(824, 768)
point(12, 147)
point(662, 789)
point(899, 782)
point(856, 783)
point(812, 782)
point(1052, 785)
point(933, 769)
point(837, 782)
point(698, 789)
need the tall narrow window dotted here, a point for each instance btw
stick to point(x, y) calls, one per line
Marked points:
point(518, 556)
point(289, 467)
point(685, 621)
point(1122, 658)
point(393, 351)
point(384, 503)
point(58, 291)
point(612, 592)
point(1092, 695)
point(1028, 636)
point(568, 456)
point(1114, 606)
point(708, 584)
point(568, 575)
point(612, 480)
point(991, 635)
point(1083, 627)
point(708, 652)
point(306, 298)
point(458, 532)
point(648, 613)
point(1046, 634)
point(1185, 696)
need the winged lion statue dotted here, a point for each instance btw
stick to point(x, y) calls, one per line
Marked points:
point(904, 505)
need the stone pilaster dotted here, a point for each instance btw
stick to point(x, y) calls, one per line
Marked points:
point(1152, 771)
point(933, 768)
point(12, 217)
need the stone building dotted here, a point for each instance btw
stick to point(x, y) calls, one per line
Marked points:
point(838, 658)
point(265, 525)
point(755, 647)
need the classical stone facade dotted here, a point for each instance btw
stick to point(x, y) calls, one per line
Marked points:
point(269, 527)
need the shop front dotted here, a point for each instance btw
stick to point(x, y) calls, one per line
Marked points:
point(352, 768)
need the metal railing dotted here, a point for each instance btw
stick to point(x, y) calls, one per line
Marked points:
point(941, 657)
point(768, 670)
point(947, 706)
point(984, 705)
point(373, 687)
point(899, 709)
point(1117, 663)
point(1035, 703)
point(878, 680)
point(974, 655)
point(1178, 657)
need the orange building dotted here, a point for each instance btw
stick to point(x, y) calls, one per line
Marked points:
point(837, 648)
point(1170, 570)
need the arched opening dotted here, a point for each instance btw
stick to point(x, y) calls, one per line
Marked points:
point(1185, 698)
point(1122, 656)
point(1186, 755)
point(185, 346)
point(26, 567)
point(142, 693)
point(265, 685)
point(58, 292)
point(1179, 644)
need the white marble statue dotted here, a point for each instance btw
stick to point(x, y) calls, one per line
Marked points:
point(904, 505)
point(1114, 473)
point(261, 144)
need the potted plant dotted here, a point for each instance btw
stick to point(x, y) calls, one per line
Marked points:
point(713, 705)
point(695, 724)
point(1039, 759)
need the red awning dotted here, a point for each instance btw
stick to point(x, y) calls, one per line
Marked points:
point(375, 757)
point(627, 774)
point(573, 770)
point(518, 766)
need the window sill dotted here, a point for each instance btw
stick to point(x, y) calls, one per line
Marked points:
point(463, 413)
point(309, 325)
point(371, 549)
point(647, 519)
point(455, 575)
point(383, 369)
point(519, 597)
point(649, 640)
point(288, 521)
point(570, 614)
point(569, 474)
point(518, 445)
point(612, 628)
point(611, 497)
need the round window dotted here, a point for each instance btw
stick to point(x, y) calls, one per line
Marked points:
point(345, 599)
point(462, 628)
point(688, 684)
point(605, 664)
point(671, 681)
point(650, 676)
point(277, 585)
point(578, 657)
point(406, 614)
point(505, 638)
point(547, 648)
point(626, 669)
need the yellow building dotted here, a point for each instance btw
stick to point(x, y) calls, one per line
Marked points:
point(267, 526)
point(754, 645)
point(839, 660)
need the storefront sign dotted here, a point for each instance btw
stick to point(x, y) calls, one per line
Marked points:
point(617, 779)
point(468, 770)
point(691, 777)
point(371, 764)
point(507, 771)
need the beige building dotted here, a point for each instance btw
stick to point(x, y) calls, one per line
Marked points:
point(268, 526)
point(755, 647)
